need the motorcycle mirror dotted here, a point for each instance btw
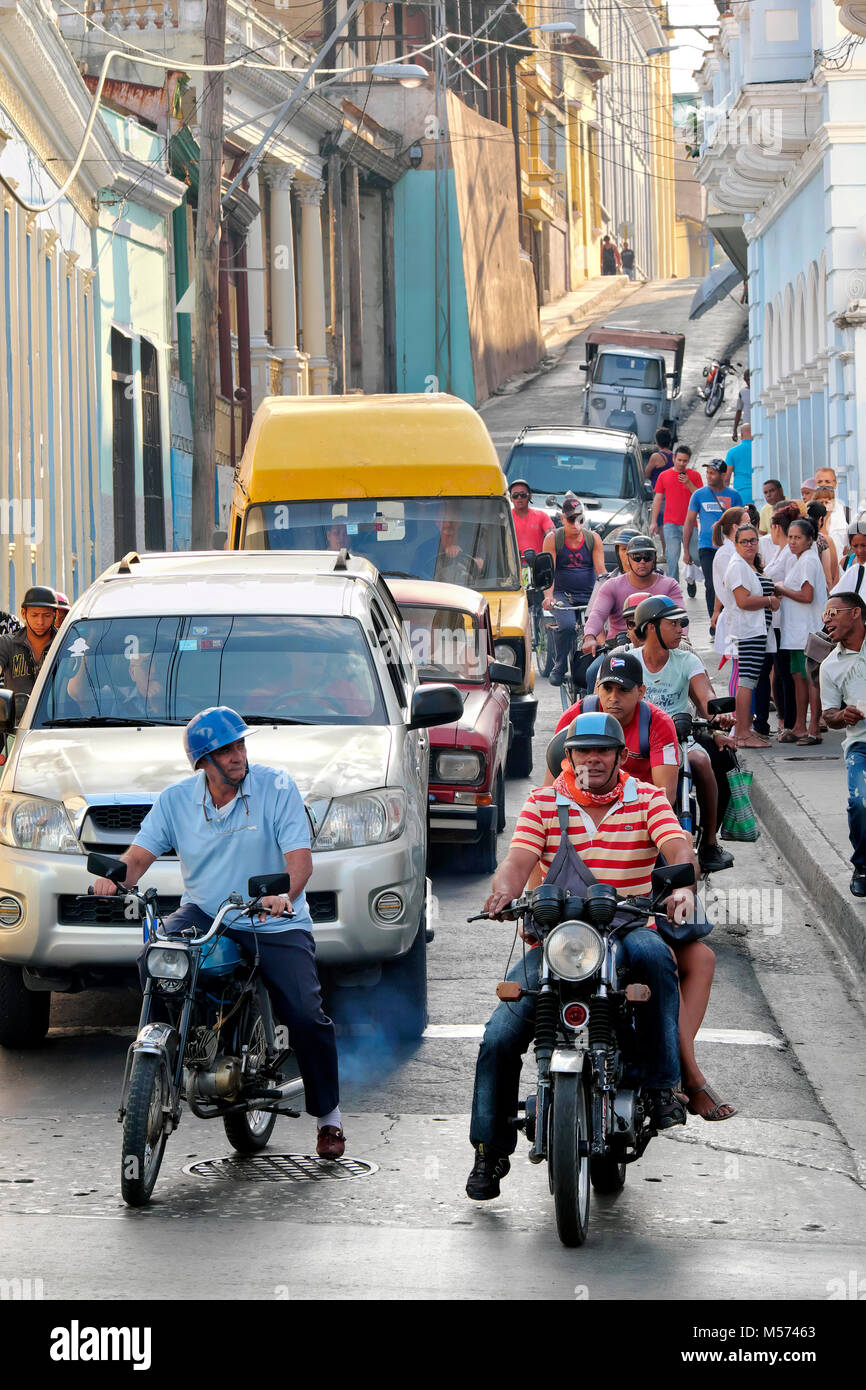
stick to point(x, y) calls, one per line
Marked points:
point(269, 885)
point(667, 877)
point(724, 704)
point(104, 866)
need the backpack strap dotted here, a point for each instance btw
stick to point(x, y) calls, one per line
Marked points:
point(559, 539)
point(859, 579)
point(645, 715)
point(589, 704)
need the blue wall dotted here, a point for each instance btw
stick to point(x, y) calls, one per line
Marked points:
point(415, 277)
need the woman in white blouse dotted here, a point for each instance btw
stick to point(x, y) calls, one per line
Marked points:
point(723, 539)
point(803, 596)
point(778, 559)
point(749, 605)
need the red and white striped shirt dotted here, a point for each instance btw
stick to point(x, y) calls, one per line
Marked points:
point(621, 851)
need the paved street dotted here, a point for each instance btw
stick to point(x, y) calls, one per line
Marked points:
point(766, 1205)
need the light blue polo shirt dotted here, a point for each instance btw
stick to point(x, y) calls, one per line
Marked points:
point(251, 835)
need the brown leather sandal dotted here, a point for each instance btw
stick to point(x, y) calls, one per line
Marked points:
point(718, 1103)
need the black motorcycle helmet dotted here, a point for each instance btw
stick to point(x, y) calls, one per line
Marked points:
point(642, 545)
point(624, 538)
point(40, 596)
point(651, 612)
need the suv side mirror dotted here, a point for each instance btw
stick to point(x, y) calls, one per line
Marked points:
point(499, 672)
point(7, 709)
point(435, 704)
point(542, 570)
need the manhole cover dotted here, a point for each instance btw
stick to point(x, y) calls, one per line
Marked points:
point(280, 1168)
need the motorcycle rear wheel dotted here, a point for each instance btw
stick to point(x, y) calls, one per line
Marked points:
point(249, 1130)
point(569, 1169)
point(714, 400)
point(606, 1174)
point(144, 1132)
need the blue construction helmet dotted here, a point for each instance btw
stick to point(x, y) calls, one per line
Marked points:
point(212, 729)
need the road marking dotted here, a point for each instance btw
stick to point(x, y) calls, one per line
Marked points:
point(738, 1037)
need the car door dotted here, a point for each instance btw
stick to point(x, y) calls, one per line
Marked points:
point(412, 746)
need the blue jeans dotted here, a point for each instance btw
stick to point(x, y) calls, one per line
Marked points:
point(855, 759)
point(673, 535)
point(566, 621)
point(643, 957)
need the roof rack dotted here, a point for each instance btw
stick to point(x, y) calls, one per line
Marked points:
point(131, 557)
point(341, 561)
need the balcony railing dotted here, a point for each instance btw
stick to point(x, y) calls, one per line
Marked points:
point(245, 27)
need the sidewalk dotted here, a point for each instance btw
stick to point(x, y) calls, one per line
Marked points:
point(564, 317)
point(800, 794)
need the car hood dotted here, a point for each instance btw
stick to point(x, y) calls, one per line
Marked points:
point(106, 766)
point(601, 512)
point(474, 699)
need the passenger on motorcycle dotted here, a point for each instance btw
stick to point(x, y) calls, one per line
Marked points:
point(617, 826)
point(227, 821)
point(673, 678)
point(578, 556)
point(641, 576)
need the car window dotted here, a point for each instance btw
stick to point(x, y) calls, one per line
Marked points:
point(615, 369)
point(390, 650)
point(311, 670)
point(586, 471)
point(460, 540)
point(447, 644)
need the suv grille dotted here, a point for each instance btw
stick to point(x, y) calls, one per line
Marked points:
point(109, 912)
point(118, 817)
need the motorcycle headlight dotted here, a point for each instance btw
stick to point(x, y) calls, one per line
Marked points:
point(29, 822)
point(367, 818)
point(458, 767)
point(574, 951)
point(167, 963)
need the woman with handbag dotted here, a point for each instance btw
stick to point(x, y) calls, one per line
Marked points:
point(803, 596)
point(749, 604)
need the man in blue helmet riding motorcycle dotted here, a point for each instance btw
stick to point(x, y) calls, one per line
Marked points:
point(229, 821)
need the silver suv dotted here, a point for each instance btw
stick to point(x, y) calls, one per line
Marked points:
point(308, 646)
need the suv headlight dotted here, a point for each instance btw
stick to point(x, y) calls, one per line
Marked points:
point(167, 963)
point(367, 818)
point(29, 822)
point(457, 767)
point(573, 951)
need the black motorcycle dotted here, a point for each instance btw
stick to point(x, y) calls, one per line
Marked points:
point(589, 1115)
point(206, 1036)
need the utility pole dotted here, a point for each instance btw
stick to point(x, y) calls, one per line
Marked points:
point(207, 257)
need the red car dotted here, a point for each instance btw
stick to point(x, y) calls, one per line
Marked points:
point(452, 639)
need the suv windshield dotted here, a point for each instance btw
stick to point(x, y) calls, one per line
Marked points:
point(613, 369)
point(459, 540)
point(447, 644)
point(308, 670)
point(586, 472)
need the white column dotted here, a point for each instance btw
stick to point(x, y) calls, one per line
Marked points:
point(284, 322)
point(313, 285)
point(260, 348)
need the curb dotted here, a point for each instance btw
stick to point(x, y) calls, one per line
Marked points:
point(609, 297)
point(813, 858)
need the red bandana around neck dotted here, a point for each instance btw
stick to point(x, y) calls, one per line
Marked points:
point(566, 784)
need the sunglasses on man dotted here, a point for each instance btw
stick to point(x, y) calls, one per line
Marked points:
point(644, 557)
point(519, 496)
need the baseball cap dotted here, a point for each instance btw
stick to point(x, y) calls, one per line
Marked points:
point(624, 670)
point(572, 504)
point(717, 463)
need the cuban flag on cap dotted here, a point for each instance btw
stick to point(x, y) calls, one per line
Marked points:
point(616, 661)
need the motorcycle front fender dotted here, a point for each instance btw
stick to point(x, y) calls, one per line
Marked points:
point(159, 1040)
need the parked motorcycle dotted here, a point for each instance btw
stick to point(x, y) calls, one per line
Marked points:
point(589, 1116)
point(206, 1036)
point(715, 377)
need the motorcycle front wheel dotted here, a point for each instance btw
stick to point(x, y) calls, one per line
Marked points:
point(568, 1156)
point(714, 400)
point(249, 1130)
point(144, 1131)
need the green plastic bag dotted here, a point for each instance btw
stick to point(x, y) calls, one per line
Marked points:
point(739, 822)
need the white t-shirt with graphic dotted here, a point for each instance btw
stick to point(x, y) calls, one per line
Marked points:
point(669, 687)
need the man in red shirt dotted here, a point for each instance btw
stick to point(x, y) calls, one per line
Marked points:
point(652, 747)
point(673, 491)
point(530, 523)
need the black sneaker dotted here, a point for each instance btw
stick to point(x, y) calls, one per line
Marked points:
point(713, 858)
point(556, 676)
point(691, 588)
point(712, 630)
point(490, 1168)
point(858, 883)
point(666, 1109)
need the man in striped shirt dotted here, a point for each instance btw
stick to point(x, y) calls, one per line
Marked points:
point(617, 827)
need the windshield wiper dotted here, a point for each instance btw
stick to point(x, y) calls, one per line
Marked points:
point(103, 721)
point(271, 719)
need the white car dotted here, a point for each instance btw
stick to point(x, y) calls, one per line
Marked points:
point(307, 645)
